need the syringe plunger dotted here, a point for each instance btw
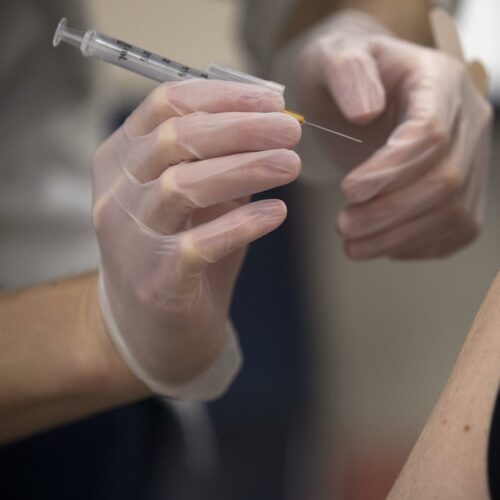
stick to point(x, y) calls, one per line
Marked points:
point(69, 35)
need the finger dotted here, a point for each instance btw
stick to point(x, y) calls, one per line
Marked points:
point(453, 180)
point(211, 96)
point(225, 273)
point(463, 168)
point(412, 149)
point(427, 132)
point(445, 244)
point(211, 242)
point(458, 232)
point(395, 208)
point(354, 81)
point(201, 136)
point(185, 188)
point(414, 235)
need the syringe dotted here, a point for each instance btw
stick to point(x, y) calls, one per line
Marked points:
point(160, 69)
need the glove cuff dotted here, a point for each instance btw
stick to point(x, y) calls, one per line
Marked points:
point(211, 384)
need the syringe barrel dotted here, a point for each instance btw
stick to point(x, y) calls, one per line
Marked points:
point(124, 55)
point(145, 63)
point(219, 72)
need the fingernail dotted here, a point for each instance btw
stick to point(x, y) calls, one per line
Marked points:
point(286, 162)
point(274, 209)
point(277, 98)
point(271, 101)
point(289, 130)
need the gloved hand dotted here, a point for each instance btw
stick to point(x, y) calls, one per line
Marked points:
point(173, 218)
point(416, 187)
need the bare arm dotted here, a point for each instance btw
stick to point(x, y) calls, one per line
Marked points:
point(449, 460)
point(57, 363)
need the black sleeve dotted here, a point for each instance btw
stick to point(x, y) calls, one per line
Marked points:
point(494, 453)
point(128, 453)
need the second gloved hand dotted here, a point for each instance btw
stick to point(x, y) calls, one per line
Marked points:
point(173, 219)
point(417, 186)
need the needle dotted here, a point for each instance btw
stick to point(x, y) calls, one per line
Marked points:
point(340, 134)
point(301, 119)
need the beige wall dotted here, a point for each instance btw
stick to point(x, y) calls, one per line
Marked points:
point(195, 32)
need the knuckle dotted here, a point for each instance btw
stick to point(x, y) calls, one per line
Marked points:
point(168, 184)
point(158, 101)
point(190, 253)
point(164, 100)
point(167, 134)
point(172, 192)
point(160, 96)
point(175, 95)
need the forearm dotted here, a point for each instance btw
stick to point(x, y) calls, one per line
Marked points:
point(57, 363)
point(408, 19)
point(449, 460)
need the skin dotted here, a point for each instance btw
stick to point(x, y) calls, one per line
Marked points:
point(57, 362)
point(449, 460)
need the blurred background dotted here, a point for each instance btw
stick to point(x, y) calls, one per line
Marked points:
point(343, 361)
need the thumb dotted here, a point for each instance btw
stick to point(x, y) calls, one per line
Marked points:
point(354, 81)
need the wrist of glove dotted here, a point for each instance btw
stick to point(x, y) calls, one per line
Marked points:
point(208, 385)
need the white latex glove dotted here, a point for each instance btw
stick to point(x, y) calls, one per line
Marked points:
point(173, 218)
point(416, 187)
